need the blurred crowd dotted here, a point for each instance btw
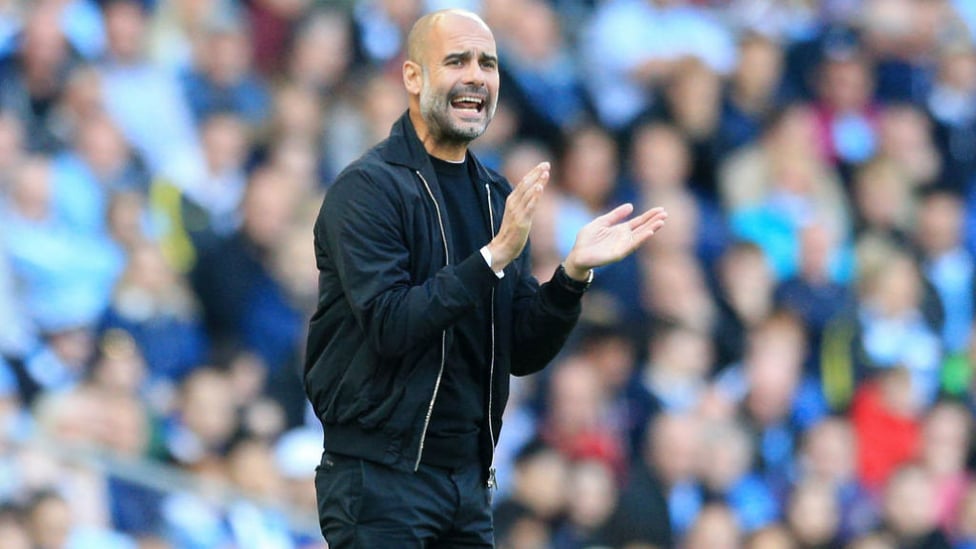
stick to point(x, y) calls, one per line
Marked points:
point(788, 364)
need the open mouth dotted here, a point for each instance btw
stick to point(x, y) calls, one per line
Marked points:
point(470, 103)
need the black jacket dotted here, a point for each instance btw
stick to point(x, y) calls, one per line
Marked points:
point(390, 289)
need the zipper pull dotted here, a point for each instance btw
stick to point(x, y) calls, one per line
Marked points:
point(492, 481)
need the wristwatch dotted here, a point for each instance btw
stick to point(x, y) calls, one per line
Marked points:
point(571, 284)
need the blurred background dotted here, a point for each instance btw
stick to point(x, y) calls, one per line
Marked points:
point(788, 364)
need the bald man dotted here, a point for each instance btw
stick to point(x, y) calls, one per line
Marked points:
point(427, 305)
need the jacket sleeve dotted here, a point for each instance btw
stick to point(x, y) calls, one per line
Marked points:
point(361, 238)
point(544, 317)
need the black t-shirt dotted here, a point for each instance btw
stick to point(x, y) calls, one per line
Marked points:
point(459, 411)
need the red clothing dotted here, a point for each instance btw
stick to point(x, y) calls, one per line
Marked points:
point(885, 439)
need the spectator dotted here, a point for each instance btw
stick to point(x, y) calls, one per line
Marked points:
point(51, 524)
point(18, 333)
point(13, 147)
point(951, 105)
point(254, 522)
point(590, 178)
point(196, 214)
point(744, 288)
point(153, 304)
point(847, 118)
point(814, 516)
point(540, 76)
point(885, 415)
point(905, 138)
point(774, 189)
point(828, 456)
point(626, 63)
point(222, 79)
point(659, 171)
point(882, 196)
point(965, 532)
point(175, 31)
point(775, 400)
point(945, 444)
point(531, 512)
point(752, 91)
point(65, 276)
point(660, 499)
point(813, 295)
point(680, 360)
point(772, 537)
point(273, 22)
point(32, 76)
point(693, 105)
point(909, 510)
point(205, 421)
point(947, 266)
point(133, 86)
point(12, 530)
point(86, 176)
point(227, 275)
point(322, 53)
point(611, 350)
point(591, 495)
point(577, 421)
point(893, 329)
point(717, 527)
point(382, 27)
point(726, 475)
point(675, 289)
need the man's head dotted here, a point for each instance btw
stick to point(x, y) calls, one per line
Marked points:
point(451, 75)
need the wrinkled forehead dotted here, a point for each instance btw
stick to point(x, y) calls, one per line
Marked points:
point(459, 33)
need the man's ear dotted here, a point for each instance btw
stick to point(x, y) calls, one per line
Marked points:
point(413, 77)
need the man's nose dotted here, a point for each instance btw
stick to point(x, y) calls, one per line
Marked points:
point(475, 74)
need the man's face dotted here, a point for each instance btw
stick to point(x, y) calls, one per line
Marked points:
point(460, 80)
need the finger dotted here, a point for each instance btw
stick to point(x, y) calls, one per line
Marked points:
point(526, 191)
point(643, 218)
point(616, 215)
point(534, 174)
point(649, 229)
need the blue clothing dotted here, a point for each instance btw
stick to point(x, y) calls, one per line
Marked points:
point(171, 346)
point(752, 502)
point(551, 88)
point(82, 24)
point(80, 200)
point(953, 274)
point(247, 98)
point(67, 277)
point(272, 326)
point(618, 41)
point(148, 105)
point(135, 508)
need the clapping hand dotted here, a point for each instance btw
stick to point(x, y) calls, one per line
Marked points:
point(610, 238)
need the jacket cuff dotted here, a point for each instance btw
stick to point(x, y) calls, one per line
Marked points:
point(561, 295)
point(476, 275)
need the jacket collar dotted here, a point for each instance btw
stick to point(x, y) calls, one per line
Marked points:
point(404, 148)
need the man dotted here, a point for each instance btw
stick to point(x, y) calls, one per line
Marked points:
point(427, 304)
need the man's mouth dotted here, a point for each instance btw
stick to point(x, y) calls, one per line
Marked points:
point(468, 103)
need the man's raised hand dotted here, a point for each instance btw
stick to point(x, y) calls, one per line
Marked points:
point(610, 238)
point(520, 207)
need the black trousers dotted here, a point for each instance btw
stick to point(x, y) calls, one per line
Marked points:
point(363, 504)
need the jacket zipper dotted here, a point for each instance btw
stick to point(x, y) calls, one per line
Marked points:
point(440, 373)
point(491, 367)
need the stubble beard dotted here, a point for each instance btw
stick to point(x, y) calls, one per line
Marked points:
point(435, 110)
